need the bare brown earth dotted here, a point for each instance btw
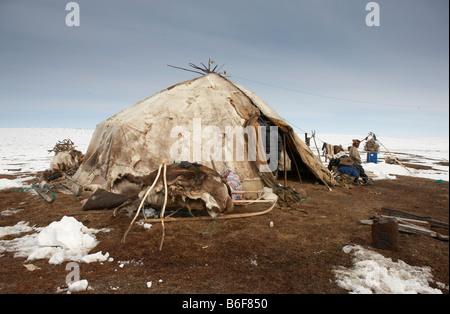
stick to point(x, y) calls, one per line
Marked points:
point(236, 256)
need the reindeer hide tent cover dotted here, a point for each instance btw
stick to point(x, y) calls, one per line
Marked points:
point(136, 140)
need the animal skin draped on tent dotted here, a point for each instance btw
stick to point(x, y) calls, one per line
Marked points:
point(136, 140)
point(196, 187)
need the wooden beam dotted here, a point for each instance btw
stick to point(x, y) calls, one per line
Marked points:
point(295, 162)
point(402, 214)
point(411, 228)
point(315, 143)
point(421, 223)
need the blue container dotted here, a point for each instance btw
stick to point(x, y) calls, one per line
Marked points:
point(372, 157)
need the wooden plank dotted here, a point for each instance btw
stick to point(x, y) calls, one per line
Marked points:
point(421, 223)
point(420, 230)
point(410, 228)
point(398, 213)
point(253, 201)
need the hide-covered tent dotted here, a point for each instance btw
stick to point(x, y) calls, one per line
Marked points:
point(198, 120)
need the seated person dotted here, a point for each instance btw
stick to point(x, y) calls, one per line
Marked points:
point(345, 165)
point(354, 155)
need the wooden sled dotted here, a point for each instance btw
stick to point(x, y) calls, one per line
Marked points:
point(223, 216)
point(163, 219)
point(44, 190)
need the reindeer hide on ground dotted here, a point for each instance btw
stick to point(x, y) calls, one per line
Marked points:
point(102, 199)
point(196, 187)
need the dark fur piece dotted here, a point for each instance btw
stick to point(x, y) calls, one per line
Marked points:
point(102, 199)
point(198, 187)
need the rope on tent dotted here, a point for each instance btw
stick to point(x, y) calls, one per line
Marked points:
point(212, 228)
point(196, 177)
point(315, 136)
point(56, 197)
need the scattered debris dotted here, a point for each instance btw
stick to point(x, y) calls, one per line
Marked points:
point(410, 223)
point(402, 214)
point(391, 160)
point(31, 267)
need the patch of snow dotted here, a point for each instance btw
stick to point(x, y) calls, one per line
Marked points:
point(18, 228)
point(372, 273)
point(25, 150)
point(10, 212)
point(64, 240)
point(78, 286)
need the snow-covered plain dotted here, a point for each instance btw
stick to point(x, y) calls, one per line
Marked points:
point(431, 153)
point(24, 151)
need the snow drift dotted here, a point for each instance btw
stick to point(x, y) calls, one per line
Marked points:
point(64, 240)
point(372, 273)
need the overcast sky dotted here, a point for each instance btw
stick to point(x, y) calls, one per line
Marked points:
point(316, 63)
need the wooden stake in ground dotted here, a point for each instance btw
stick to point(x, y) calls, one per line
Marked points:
point(164, 206)
point(315, 143)
point(142, 203)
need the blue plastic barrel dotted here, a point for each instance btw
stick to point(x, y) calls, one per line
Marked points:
point(372, 157)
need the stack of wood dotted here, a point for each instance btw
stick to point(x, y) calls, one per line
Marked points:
point(63, 146)
point(415, 224)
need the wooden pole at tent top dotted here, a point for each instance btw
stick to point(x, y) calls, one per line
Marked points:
point(315, 143)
